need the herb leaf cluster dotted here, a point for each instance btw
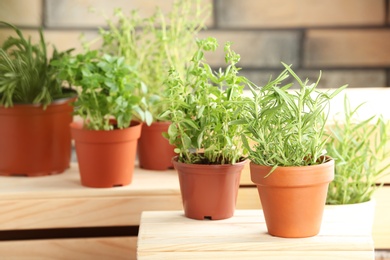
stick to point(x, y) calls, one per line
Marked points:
point(203, 104)
point(26, 75)
point(107, 89)
point(286, 126)
point(156, 43)
point(359, 148)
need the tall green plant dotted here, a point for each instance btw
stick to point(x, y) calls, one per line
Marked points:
point(359, 148)
point(156, 43)
point(202, 105)
point(26, 75)
point(287, 126)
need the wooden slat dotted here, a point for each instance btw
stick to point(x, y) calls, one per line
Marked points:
point(245, 233)
point(60, 201)
point(269, 255)
point(381, 229)
point(90, 212)
point(80, 248)
point(67, 185)
point(248, 198)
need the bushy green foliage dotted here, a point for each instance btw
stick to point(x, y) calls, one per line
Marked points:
point(286, 126)
point(26, 75)
point(156, 43)
point(359, 148)
point(202, 106)
point(107, 89)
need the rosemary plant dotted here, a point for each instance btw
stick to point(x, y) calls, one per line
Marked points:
point(359, 149)
point(26, 75)
point(203, 104)
point(287, 126)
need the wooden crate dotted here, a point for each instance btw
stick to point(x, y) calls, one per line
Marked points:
point(58, 203)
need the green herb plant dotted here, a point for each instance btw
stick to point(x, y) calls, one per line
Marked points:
point(26, 76)
point(107, 89)
point(156, 43)
point(286, 126)
point(359, 148)
point(203, 103)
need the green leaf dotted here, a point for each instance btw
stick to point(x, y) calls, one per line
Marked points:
point(148, 118)
point(172, 130)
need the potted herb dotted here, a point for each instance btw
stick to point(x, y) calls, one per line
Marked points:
point(156, 43)
point(108, 102)
point(360, 148)
point(210, 157)
point(289, 164)
point(35, 111)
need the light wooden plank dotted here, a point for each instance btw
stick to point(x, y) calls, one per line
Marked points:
point(253, 255)
point(79, 212)
point(381, 229)
point(248, 198)
point(64, 249)
point(246, 233)
point(60, 201)
point(67, 185)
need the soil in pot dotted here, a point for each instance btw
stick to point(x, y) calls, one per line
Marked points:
point(209, 191)
point(293, 198)
point(106, 158)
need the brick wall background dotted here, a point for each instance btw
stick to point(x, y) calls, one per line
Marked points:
point(349, 40)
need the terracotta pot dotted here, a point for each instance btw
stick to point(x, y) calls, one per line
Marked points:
point(154, 151)
point(34, 141)
point(293, 198)
point(209, 191)
point(106, 158)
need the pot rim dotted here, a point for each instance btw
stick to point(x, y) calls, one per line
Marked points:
point(292, 176)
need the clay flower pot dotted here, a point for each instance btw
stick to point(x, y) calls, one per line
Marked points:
point(106, 158)
point(209, 191)
point(154, 151)
point(293, 198)
point(34, 141)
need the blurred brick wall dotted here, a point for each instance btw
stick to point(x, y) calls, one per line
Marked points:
point(349, 40)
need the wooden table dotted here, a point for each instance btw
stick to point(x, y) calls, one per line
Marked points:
point(170, 235)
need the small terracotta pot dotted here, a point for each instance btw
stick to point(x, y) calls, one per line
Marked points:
point(106, 158)
point(154, 151)
point(209, 191)
point(293, 198)
point(34, 141)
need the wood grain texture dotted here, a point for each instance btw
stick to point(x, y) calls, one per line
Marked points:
point(381, 228)
point(64, 249)
point(245, 234)
point(59, 201)
point(67, 185)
